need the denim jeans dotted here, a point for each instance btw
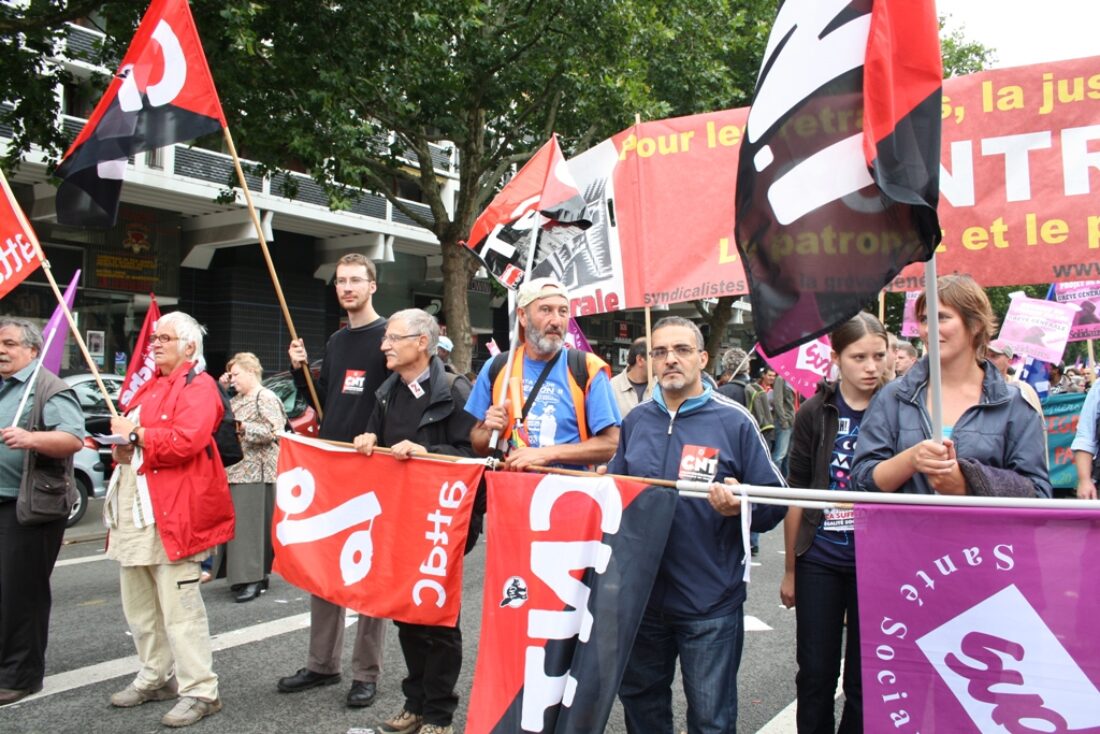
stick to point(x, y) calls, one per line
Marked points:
point(823, 594)
point(710, 654)
point(781, 449)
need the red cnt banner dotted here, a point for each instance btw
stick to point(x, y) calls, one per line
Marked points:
point(374, 534)
point(1020, 155)
point(570, 563)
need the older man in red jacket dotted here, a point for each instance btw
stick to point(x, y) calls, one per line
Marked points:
point(167, 506)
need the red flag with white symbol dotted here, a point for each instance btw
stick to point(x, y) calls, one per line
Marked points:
point(162, 94)
point(543, 194)
point(142, 368)
point(374, 534)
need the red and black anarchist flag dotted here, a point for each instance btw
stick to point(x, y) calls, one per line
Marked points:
point(838, 178)
point(543, 195)
point(570, 564)
point(162, 94)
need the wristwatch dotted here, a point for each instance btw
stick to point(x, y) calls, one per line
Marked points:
point(133, 437)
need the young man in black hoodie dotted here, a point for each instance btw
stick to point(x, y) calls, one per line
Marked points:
point(353, 370)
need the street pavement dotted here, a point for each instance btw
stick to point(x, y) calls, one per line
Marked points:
point(91, 655)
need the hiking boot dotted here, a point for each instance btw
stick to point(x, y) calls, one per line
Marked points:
point(402, 723)
point(190, 711)
point(437, 729)
point(131, 695)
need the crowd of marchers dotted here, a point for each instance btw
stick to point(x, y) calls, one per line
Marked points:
point(172, 504)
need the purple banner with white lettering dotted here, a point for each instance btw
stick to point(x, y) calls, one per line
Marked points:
point(978, 620)
point(804, 366)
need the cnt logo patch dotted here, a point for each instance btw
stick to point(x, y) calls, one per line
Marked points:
point(354, 380)
point(698, 463)
point(515, 593)
point(1009, 671)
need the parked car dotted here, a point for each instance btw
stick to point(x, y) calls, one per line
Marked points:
point(302, 416)
point(91, 475)
point(92, 465)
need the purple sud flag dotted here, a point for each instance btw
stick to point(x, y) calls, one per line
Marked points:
point(162, 94)
point(978, 620)
point(838, 177)
point(51, 358)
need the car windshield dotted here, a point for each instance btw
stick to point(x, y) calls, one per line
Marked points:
point(283, 386)
point(91, 400)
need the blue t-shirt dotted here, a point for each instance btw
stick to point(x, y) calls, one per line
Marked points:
point(834, 544)
point(552, 420)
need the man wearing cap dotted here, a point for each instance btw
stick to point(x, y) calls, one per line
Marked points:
point(446, 346)
point(1001, 354)
point(551, 418)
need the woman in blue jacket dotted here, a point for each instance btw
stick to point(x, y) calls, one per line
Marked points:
point(993, 439)
point(821, 554)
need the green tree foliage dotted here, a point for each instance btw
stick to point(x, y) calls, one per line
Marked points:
point(354, 92)
point(961, 56)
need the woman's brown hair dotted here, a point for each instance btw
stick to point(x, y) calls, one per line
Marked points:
point(962, 293)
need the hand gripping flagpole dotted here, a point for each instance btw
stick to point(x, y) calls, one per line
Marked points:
point(29, 230)
point(270, 265)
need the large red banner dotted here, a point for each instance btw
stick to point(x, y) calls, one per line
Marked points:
point(374, 534)
point(1021, 150)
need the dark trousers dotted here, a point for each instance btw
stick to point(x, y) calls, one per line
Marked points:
point(710, 655)
point(823, 594)
point(27, 555)
point(433, 656)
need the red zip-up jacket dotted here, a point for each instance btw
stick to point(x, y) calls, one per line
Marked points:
point(187, 483)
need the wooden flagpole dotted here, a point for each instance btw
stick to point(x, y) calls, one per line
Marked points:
point(270, 265)
point(29, 230)
point(648, 314)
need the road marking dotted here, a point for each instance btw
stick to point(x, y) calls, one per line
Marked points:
point(101, 556)
point(92, 674)
point(786, 722)
point(752, 624)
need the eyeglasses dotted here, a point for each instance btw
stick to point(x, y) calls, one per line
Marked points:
point(356, 281)
point(680, 350)
point(398, 337)
point(163, 338)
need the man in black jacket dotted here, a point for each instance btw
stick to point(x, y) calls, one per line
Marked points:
point(353, 369)
point(418, 410)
